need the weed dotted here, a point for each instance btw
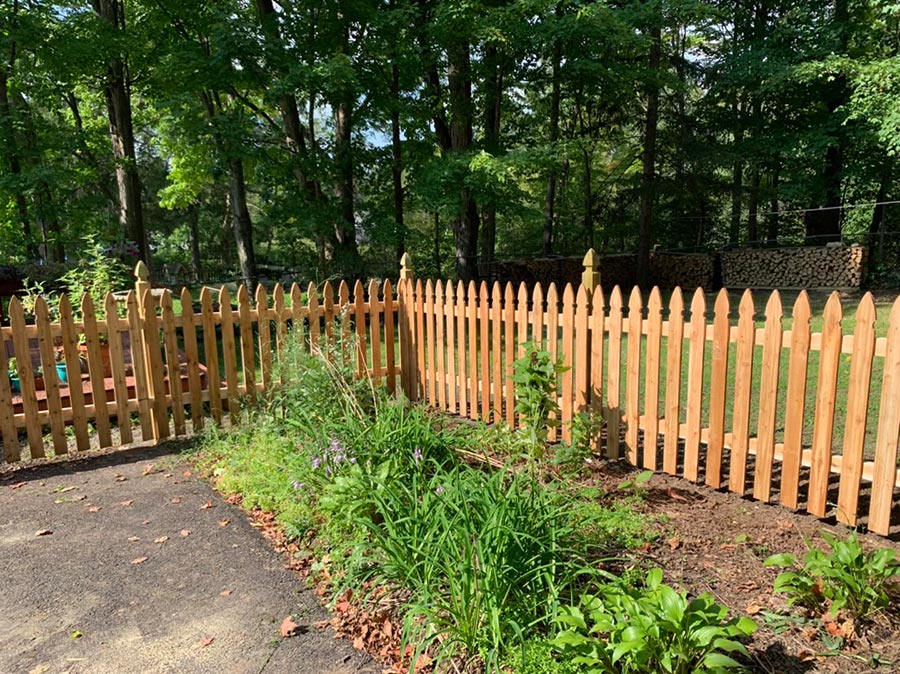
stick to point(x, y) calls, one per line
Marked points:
point(653, 630)
point(584, 431)
point(536, 375)
point(847, 577)
point(537, 657)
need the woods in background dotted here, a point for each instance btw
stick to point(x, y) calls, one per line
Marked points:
point(330, 137)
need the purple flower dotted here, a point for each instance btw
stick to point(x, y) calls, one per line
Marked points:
point(316, 462)
point(439, 491)
point(417, 455)
point(298, 485)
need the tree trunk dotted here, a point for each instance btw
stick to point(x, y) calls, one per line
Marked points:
point(648, 178)
point(194, 225)
point(15, 168)
point(242, 224)
point(397, 163)
point(465, 225)
point(550, 202)
point(438, 262)
point(773, 217)
point(753, 207)
point(492, 109)
point(121, 132)
point(346, 253)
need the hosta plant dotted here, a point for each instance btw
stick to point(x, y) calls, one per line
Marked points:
point(845, 577)
point(651, 630)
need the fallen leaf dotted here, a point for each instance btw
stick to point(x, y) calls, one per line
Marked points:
point(176, 500)
point(149, 468)
point(206, 641)
point(674, 542)
point(63, 490)
point(134, 539)
point(185, 532)
point(288, 627)
point(753, 609)
point(147, 521)
point(342, 606)
point(76, 635)
point(121, 478)
point(359, 644)
point(423, 661)
point(224, 523)
point(675, 495)
point(139, 560)
point(17, 485)
point(43, 532)
point(806, 655)
point(161, 539)
point(40, 669)
point(126, 503)
point(186, 473)
point(207, 506)
point(388, 628)
point(94, 509)
point(226, 593)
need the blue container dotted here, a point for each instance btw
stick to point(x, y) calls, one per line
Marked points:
point(14, 383)
point(62, 373)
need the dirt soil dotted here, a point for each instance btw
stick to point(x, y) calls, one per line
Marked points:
point(716, 542)
point(127, 562)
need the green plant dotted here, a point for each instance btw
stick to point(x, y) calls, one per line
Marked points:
point(487, 557)
point(846, 577)
point(535, 376)
point(96, 274)
point(635, 486)
point(537, 657)
point(652, 630)
point(12, 367)
point(584, 430)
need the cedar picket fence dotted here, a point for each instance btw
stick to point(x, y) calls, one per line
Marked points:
point(453, 347)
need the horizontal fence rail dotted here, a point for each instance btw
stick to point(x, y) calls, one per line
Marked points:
point(749, 398)
point(729, 398)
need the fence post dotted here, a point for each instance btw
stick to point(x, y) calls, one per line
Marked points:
point(590, 278)
point(406, 324)
point(141, 278)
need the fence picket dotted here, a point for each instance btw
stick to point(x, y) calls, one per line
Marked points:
point(509, 318)
point(674, 345)
point(173, 362)
point(826, 393)
point(298, 311)
point(695, 385)
point(375, 329)
point(264, 337)
point(328, 314)
point(450, 336)
point(553, 344)
point(567, 347)
point(484, 351)
point(390, 353)
point(614, 375)
point(95, 369)
point(347, 350)
point(51, 380)
point(853, 453)
point(280, 320)
point(139, 364)
point(406, 329)
point(633, 375)
point(12, 452)
point(22, 349)
point(73, 372)
point(537, 328)
point(885, 470)
point(420, 347)
point(651, 385)
point(795, 402)
point(191, 354)
point(718, 382)
point(596, 351)
point(248, 357)
point(743, 381)
point(768, 399)
point(440, 350)
point(582, 352)
point(211, 355)
point(229, 356)
point(314, 316)
point(430, 369)
point(461, 349)
point(117, 369)
point(496, 352)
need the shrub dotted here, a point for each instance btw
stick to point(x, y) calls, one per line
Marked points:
point(846, 577)
point(536, 381)
point(653, 630)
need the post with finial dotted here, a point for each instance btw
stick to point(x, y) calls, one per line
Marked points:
point(406, 270)
point(590, 278)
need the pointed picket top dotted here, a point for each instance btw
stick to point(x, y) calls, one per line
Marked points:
point(296, 292)
point(581, 297)
point(722, 306)
point(483, 290)
point(64, 303)
point(387, 291)
point(885, 468)
point(774, 309)
point(450, 292)
point(372, 292)
point(698, 303)
point(262, 298)
point(429, 290)
point(327, 293)
point(343, 294)
point(747, 307)
point(551, 292)
point(552, 300)
point(496, 290)
point(141, 272)
point(224, 299)
point(312, 292)
point(802, 313)
point(676, 302)
point(278, 291)
point(865, 312)
point(15, 307)
point(165, 301)
point(597, 300)
point(87, 304)
point(509, 294)
point(654, 303)
point(439, 291)
point(568, 294)
point(187, 302)
point(537, 297)
point(41, 311)
point(834, 311)
point(635, 299)
point(473, 293)
point(406, 269)
point(242, 294)
point(615, 300)
point(521, 295)
point(205, 296)
point(418, 289)
point(460, 289)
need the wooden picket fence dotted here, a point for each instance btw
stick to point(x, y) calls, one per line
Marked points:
point(751, 409)
point(171, 369)
point(666, 407)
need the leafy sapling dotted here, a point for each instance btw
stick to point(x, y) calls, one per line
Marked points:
point(536, 375)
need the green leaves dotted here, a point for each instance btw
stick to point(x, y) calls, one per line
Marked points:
point(535, 376)
point(651, 630)
point(846, 577)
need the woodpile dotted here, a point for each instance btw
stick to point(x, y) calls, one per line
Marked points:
point(687, 270)
point(806, 267)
